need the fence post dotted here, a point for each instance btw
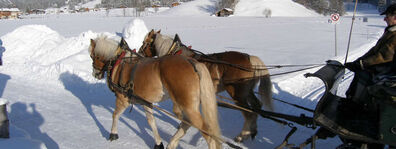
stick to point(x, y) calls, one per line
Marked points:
point(4, 122)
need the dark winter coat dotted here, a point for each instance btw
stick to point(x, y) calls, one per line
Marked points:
point(380, 59)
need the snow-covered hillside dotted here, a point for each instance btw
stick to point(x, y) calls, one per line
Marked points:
point(243, 8)
point(91, 4)
point(54, 102)
point(277, 7)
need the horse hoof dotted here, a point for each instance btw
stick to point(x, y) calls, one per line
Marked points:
point(238, 139)
point(161, 146)
point(113, 137)
point(253, 135)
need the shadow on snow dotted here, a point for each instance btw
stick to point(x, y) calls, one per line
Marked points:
point(99, 95)
point(30, 121)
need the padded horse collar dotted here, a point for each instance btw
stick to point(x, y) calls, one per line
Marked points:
point(128, 88)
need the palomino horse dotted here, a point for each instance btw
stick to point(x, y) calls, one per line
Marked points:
point(235, 72)
point(135, 79)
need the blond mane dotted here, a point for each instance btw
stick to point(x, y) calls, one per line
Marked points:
point(105, 47)
point(162, 44)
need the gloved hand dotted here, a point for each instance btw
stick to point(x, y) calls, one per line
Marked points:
point(353, 66)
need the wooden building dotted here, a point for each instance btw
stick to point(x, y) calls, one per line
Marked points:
point(174, 4)
point(9, 13)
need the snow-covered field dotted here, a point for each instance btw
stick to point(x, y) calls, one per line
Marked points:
point(54, 102)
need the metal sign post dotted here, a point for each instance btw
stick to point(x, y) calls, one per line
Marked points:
point(335, 17)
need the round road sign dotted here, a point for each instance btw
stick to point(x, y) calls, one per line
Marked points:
point(335, 17)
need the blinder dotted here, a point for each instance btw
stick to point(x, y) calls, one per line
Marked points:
point(147, 49)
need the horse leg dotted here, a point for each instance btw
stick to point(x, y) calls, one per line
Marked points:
point(249, 126)
point(197, 121)
point(151, 122)
point(121, 104)
point(177, 111)
point(240, 93)
point(183, 127)
point(255, 104)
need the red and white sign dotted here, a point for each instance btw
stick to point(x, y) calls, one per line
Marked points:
point(335, 17)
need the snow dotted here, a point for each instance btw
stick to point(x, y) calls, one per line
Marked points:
point(10, 9)
point(278, 8)
point(54, 102)
point(192, 8)
point(134, 33)
point(91, 4)
point(3, 101)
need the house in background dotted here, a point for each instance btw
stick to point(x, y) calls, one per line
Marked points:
point(174, 4)
point(224, 12)
point(36, 11)
point(9, 13)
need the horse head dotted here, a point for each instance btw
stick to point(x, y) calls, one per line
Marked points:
point(156, 44)
point(102, 50)
point(148, 49)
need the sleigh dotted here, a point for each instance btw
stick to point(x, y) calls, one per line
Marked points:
point(359, 122)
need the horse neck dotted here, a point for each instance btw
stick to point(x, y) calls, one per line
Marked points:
point(186, 51)
point(162, 44)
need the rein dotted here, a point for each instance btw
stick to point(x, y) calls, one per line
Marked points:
point(207, 58)
point(200, 56)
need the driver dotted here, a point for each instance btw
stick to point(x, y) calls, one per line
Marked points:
point(378, 61)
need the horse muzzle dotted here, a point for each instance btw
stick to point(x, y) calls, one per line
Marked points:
point(98, 74)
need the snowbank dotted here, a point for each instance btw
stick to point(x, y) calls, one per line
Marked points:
point(44, 51)
point(134, 33)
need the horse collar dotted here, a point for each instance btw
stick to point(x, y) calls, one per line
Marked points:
point(122, 55)
point(117, 62)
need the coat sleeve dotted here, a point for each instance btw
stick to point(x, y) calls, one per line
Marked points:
point(384, 54)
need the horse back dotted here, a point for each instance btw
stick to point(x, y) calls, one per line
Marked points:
point(179, 74)
point(236, 61)
point(175, 74)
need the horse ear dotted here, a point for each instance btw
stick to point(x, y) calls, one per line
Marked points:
point(176, 39)
point(92, 43)
point(159, 31)
point(124, 44)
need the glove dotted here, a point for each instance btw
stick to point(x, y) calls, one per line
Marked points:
point(353, 66)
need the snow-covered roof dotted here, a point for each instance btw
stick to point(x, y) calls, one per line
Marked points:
point(9, 9)
point(228, 9)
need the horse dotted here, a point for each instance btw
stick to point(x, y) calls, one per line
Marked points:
point(139, 80)
point(235, 72)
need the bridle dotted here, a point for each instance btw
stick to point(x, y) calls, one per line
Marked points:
point(147, 49)
point(99, 64)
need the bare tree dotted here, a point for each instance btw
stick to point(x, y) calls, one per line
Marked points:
point(227, 4)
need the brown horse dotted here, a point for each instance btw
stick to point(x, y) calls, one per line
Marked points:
point(135, 79)
point(237, 73)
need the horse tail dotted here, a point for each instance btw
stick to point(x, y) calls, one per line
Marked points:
point(208, 103)
point(265, 86)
